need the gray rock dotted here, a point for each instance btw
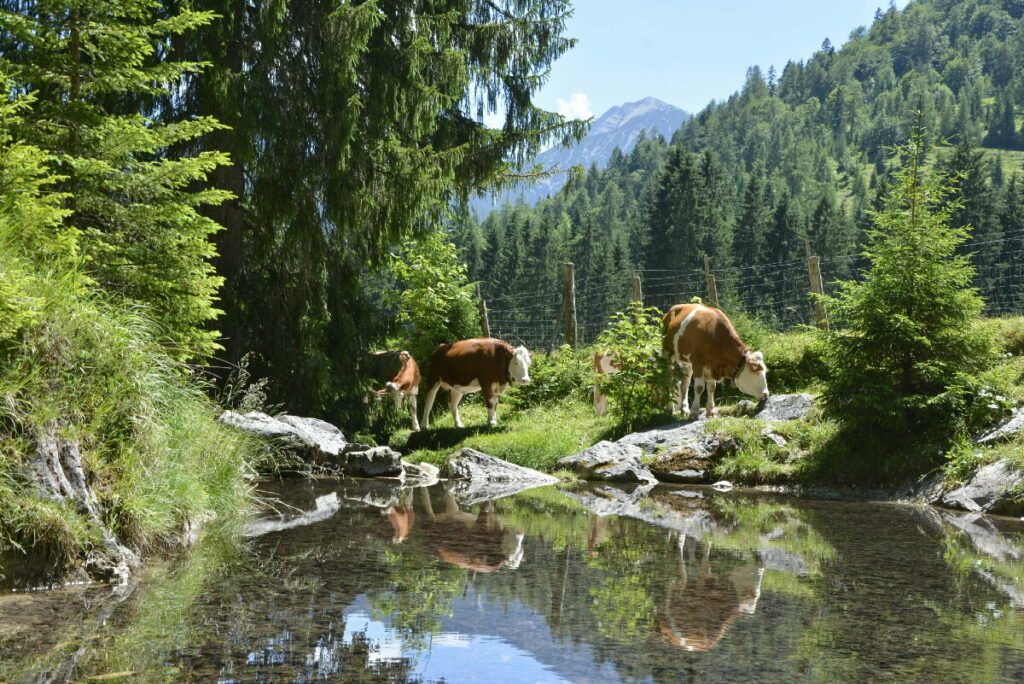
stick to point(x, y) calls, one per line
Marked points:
point(785, 407)
point(928, 489)
point(989, 491)
point(420, 474)
point(772, 437)
point(379, 461)
point(671, 437)
point(58, 474)
point(1008, 428)
point(319, 444)
point(316, 433)
point(609, 462)
point(479, 477)
point(258, 424)
point(315, 437)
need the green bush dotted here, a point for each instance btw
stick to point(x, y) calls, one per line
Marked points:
point(641, 390)
point(554, 378)
point(435, 303)
point(906, 357)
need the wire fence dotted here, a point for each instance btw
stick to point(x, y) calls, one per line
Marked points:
point(778, 294)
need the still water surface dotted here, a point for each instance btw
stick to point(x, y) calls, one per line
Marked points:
point(369, 583)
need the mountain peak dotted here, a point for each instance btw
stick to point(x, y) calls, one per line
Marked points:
point(620, 127)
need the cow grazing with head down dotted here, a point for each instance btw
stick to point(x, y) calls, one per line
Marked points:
point(404, 384)
point(701, 340)
point(480, 364)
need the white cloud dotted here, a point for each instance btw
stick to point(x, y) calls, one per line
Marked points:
point(577, 107)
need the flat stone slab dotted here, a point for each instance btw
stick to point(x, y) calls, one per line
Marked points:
point(989, 491)
point(478, 477)
point(670, 437)
point(1008, 428)
point(609, 462)
point(779, 407)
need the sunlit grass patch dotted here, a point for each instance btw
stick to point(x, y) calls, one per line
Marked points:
point(535, 437)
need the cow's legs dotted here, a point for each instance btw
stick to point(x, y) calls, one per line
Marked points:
point(454, 397)
point(412, 412)
point(698, 390)
point(491, 397)
point(711, 410)
point(430, 404)
point(600, 401)
point(683, 388)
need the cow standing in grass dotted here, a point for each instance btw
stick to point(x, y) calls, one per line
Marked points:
point(703, 343)
point(480, 364)
point(404, 383)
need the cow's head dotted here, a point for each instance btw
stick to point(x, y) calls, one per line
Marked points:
point(519, 366)
point(753, 376)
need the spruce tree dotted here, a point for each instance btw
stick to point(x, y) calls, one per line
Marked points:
point(903, 360)
point(95, 64)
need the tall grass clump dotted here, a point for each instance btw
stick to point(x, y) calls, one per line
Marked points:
point(156, 456)
point(87, 366)
point(905, 360)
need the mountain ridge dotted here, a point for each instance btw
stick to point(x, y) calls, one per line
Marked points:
point(618, 127)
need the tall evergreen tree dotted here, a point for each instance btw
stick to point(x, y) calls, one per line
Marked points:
point(355, 125)
point(94, 64)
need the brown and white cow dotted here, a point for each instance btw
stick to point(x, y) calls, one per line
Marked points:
point(605, 363)
point(701, 340)
point(479, 364)
point(404, 384)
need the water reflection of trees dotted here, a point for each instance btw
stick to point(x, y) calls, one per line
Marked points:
point(665, 585)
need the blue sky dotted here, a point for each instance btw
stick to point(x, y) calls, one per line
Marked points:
point(688, 52)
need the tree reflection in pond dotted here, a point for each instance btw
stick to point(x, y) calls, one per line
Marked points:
point(369, 583)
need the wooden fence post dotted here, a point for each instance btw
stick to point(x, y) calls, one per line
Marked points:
point(569, 302)
point(485, 325)
point(817, 287)
point(712, 288)
point(638, 292)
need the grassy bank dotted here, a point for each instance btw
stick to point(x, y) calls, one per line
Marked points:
point(538, 433)
point(157, 460)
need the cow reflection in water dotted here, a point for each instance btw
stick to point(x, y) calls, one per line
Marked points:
point(474, 541)
point(701, 604)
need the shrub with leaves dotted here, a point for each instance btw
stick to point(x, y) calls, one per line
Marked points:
point(905, 360)
point(641, 389)
point(554, 378)
point(436, 302)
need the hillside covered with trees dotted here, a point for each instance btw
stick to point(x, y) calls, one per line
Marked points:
point(798, 157)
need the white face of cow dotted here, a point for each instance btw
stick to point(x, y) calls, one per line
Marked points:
point(519, 366)
point(753, 377)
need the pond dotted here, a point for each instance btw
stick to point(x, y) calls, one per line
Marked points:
point(366, 582)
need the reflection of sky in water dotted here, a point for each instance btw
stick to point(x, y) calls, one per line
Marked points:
point(467, 651)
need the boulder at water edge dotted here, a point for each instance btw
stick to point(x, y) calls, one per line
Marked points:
point(609, 462)
point(320, 444)
point(481, 477)
point(996, 488)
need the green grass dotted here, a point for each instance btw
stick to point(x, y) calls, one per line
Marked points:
point(91, 369)
point(535, 437)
